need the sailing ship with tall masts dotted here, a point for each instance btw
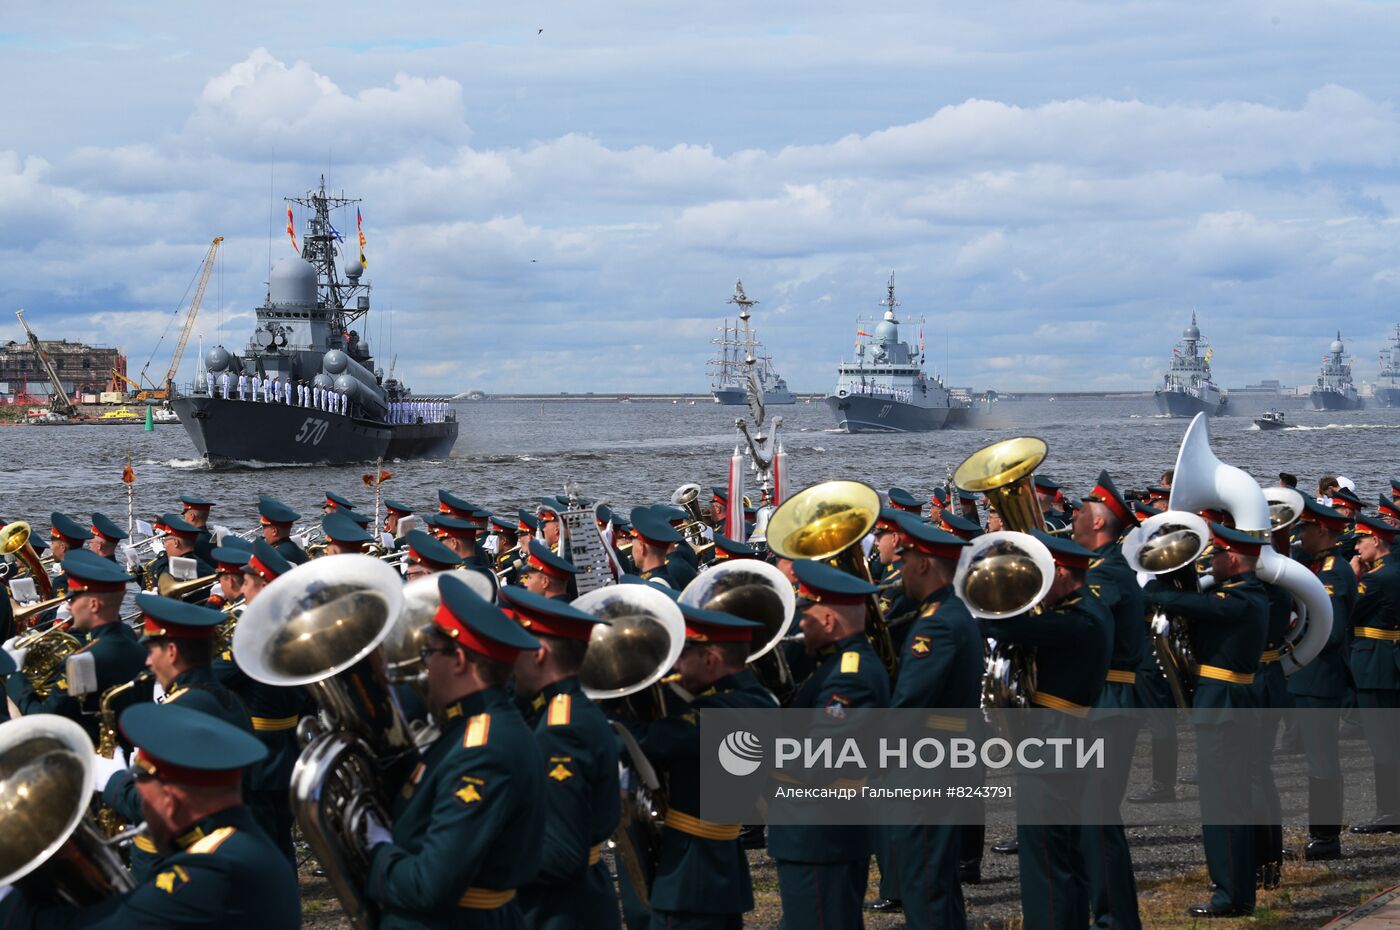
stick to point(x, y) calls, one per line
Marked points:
point(729, 368)
point(1387, 392)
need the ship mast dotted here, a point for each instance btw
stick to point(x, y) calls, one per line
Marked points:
point(318, 247)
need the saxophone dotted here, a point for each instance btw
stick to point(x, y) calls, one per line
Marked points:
point(109, 820)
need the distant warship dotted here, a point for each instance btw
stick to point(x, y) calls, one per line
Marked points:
point(1334, 390)
point(303, 337)
point(729, 367)
point(884, 388)
point(1387, 393)
point(1186, 387)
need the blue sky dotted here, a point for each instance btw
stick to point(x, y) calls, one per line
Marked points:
point(1056, 186)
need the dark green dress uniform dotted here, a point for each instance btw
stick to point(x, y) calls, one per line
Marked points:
point(702, 874)
point(223, 873)
point(273, 512)
point(1230, 625)
point(654, 527)
point(1319, 688)
point(161, 568)
point(469, 822)
point(119, 657)
point(573, 889)
point(1271, 696)
point(1375, 666)
point(940, 666)
point(1073, 647)
point(823, 870)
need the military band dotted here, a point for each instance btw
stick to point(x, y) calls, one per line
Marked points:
point(510, 810)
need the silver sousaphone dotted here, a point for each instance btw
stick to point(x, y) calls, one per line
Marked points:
point(1166, 546)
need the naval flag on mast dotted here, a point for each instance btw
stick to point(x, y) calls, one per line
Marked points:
point(360, 227)
point(292, 230)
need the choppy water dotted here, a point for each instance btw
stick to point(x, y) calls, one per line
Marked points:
point(511, 453)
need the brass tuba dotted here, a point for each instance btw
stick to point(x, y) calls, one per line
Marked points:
point(755, 591)
point(321, 625)
point(826, 523)
point(14, 540)
point(1167, 545)
point(1203, 482)
point(1009, 572)
point(627, 658)
point(49, 845)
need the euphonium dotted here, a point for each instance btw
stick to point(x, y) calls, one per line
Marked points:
point(1203, 482)
point(755, 591)
point(826, 522)
point(626, 659)
point(1167, 545)
point(47, 651)
point(14, 540)
point(321, 625)
point(49, 845)
point(1009, 572)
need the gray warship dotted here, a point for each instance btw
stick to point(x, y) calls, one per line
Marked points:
point(884, 388)
point(729, 368)
point(1334, 390)
point(341, 408)
point(1187, 388)
point(1387, 392)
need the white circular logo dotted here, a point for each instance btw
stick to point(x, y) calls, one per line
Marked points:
point(741, 753)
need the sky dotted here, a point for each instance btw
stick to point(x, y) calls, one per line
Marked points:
point(561, 196)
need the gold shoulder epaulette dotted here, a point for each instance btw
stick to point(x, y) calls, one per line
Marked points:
point(560, 708)
point(1327, 565)
point(478, 731)
point(850, 663)
point(175, 695)
point(213, 841)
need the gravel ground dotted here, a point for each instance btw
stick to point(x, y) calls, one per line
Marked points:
point(1168, 860)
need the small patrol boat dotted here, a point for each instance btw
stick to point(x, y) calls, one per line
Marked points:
point(1270, 419)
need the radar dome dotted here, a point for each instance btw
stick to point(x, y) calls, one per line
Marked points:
point(888, 329)
point(1191, 332)
point(292, 284)
point(353, 268)
point(217, 359)
point(1337, 348)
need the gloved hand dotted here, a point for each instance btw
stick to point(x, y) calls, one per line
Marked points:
point(375, 831)
point(16, 654)
point(104, 770)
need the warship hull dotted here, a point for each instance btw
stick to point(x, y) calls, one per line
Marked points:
point(1387, 397)
point(1181, 404)
point(737, 397)
point(858, 413)
point(231, 432)
point(1334, 400)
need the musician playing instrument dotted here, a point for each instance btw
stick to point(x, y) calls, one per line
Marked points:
point(469, 824)
point(95, 589)
point(178, 539)
point(822, 870)
point(461, 535)
point(393, 513)
point(335, 502)
point(427, 555)
point(229, 560)
point(886, 566)
point(940, 666)
point(1375, 664)
point(219, 870)
point(343, 534)
point(195, 511)
point(1230, 625)
point(547, 574)
point(106, 535)
point(702, 874)
point(1322, 684)
point(276, 519)
point(1072, 632)
point(655, 539)
point(1098, 525)
point(65, 535)
point(573, 889)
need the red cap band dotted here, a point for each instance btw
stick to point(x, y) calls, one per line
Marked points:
point(154, 628)
point(256, 567)
point(550, 624)
point(549, 570)
point(704, 633)
point(76, 584)
point(459, 632)
point(826, 597)
point(1102, 495)
point(165, 771)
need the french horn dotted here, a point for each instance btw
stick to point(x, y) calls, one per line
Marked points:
point(322, 625)
point(49, 844)
point(1203, 482)
point(1167, 546)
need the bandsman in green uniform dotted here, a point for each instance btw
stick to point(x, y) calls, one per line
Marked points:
point(688, 558)
point(1230, 625)
point(229, 560)
point(468, 825)
point(655, 539)
point(548, 517)
point(65, 535)
point(106, 536)
point(507, 554)
point(461, 536)
point(959, 525)
point(727, 549)
point(178, 539)
point(1072, 636)
point(344, 535)
point(179, 640)
point(394, 511)
point(218, 869)
point(1098, 524)
point(823, 870)
point(573, 889)
point(95, 589)
point(1375, 664)
point(277, 519)
point(427, 555)
point(940, 667)
point(622, 539)
point(902, 500)
point(1388, 511)
point(1346, 503)
point(194, 510)
point(1321, 686)
point(336, 502)
point(702, 874)
point(886, 560)
point(547, 574)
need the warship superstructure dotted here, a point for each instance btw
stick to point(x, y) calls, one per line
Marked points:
point(322, 398)
point(1187, 388)
point(729, 368)
point(1334, 390)
point(1387, 392)
point(884, 388)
